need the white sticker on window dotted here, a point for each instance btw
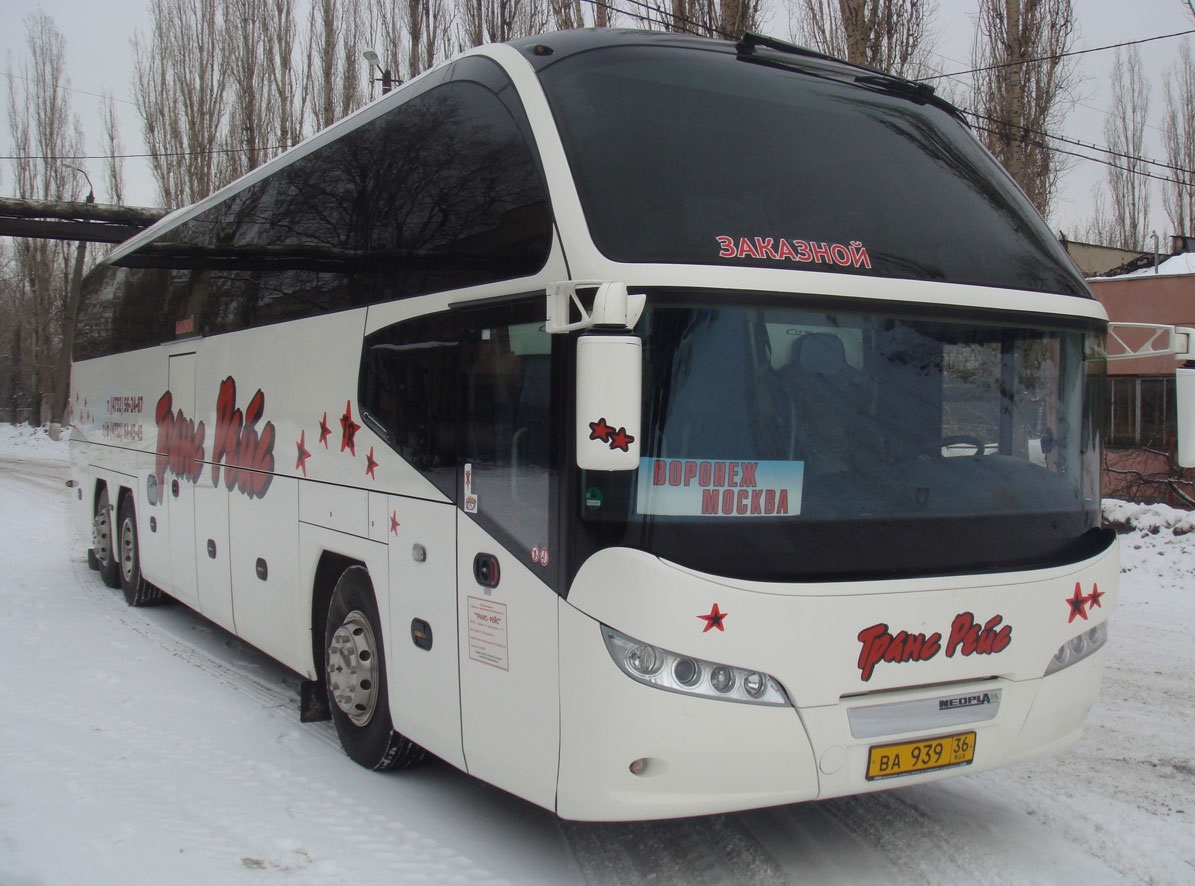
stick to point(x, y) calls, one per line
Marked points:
point(708, 488)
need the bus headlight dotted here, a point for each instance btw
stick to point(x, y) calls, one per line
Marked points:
point(673, 672)
point(1078, 648)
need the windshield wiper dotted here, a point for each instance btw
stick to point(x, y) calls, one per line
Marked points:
point(889, 84)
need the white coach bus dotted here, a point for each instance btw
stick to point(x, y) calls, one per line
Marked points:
point(646, 425)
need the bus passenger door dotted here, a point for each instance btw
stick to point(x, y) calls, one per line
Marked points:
point(179, 493)
point(507, 609)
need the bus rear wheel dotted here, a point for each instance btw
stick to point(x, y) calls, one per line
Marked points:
point(137, 591)
point(101, 541)
point(355, 675)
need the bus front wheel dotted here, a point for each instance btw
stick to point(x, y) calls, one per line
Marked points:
point(355, 675)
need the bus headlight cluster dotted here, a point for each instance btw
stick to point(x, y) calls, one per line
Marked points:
point(1078, 648)
point(674, 672)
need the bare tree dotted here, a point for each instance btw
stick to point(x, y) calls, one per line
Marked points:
point(286, 74)
point(335, 72)
point(496, 21)
point(889, 35)
point(1124, 130)
point(428, 29)
point(113, 149)
point(248, 137)
point(179, 86)
point(709, 18)
point(45, 133)
point(1019, 47)
point(1178, 132)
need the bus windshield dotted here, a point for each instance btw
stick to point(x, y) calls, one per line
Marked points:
point(704, 157)
point(788, 443)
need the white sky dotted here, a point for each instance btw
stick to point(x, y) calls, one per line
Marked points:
point(99, 58)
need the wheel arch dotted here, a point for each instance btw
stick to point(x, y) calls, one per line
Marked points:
point(328, 570)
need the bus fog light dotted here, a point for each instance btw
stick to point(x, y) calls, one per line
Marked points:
point(672, 672)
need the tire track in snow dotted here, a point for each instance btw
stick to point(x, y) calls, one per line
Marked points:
point(367, 841)
point(696, 851)
point(33, 474)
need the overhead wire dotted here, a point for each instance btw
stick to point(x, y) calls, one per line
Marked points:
point(1056, 56)
point(664, 17)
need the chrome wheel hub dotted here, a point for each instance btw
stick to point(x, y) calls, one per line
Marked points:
point(128, 550)
point(353, 669)
point(101, 535)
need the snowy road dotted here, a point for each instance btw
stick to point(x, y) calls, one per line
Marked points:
point(148, 745)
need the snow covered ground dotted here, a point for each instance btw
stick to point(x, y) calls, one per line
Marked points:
point(147, 745)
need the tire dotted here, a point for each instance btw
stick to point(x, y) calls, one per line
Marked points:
point(137, 591)
point(355, 677)
point(102, 543)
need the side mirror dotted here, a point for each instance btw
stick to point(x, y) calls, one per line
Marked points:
point(609, 397)
point(609, 401)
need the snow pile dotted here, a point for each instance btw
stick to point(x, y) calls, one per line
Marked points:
point(24, 441)
point(1128, 517)
point(1176, 264)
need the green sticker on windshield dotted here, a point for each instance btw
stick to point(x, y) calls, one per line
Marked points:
point(593, 498)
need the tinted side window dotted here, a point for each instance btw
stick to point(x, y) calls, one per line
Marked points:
point(466, 398)
point(123, 309)
point(408, 393)
point(442, 192)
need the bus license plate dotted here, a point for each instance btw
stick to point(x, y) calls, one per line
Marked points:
point(927, 755)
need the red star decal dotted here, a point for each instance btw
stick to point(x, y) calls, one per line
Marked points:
point(714, 619)
point(370, 464)
point(394, 524)
point(1078, 605)
point(1093, 600)
point(348, 430)
point(324, 431)
point(621, 440)
point(301, 461)
point(599, 430)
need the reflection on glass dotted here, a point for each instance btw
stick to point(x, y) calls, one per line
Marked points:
point(723, 160)
point(441, 192)
point(961, 443)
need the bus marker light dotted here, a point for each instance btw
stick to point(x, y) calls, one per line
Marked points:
point(638, 767)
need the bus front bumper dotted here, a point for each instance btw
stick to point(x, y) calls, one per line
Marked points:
point(635, 752)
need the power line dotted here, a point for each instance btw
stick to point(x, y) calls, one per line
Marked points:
point(1100, 160)
point(1071, 141)
point(1057, 56)
point(145, 156)
point(13, 76)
